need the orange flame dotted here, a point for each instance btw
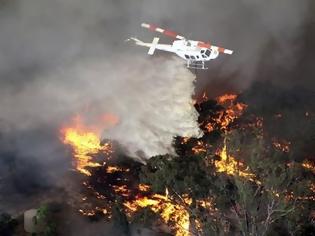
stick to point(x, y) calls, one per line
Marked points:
point(113, 169)
point(122, 190)
point(309, 165)
point(164, 206)
point(226, 98)
point(143, 187)
point(85, 142)
point(199, 148)
point(281, 145)
point(232, 111)
point(229, 165)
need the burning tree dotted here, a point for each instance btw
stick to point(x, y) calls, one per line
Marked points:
point(249, 199)
point(238, 179)
point(273, 195)
point(253, 186)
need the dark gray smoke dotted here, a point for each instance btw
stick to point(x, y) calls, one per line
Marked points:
point(62, 57)
point(264, 33)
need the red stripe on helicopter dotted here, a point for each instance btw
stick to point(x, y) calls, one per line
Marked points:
point(152, 27)
point(170, 33)
point(204, 45)
point(221, 49)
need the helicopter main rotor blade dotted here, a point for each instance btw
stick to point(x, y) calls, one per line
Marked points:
point(162, 31)
point(220, 49)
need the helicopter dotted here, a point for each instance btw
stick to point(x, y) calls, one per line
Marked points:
point(195, 53)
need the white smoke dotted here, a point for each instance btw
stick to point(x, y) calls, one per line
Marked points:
point(157, 107)
point(152, 98)
point(58, 58)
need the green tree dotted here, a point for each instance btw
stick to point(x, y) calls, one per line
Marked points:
point(181, 174)
point(276, 194)
point(45, 218)
point(120, 219)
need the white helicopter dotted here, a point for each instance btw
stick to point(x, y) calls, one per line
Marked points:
point(196, 53)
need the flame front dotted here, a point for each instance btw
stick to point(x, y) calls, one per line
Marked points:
point(85, 143)
point(222, 120)
point(173, 210)
point(233, 110)
point(229, 165)
point(169, 211)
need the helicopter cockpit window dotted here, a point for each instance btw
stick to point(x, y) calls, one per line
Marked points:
point(187, 57)
point(208, 52)
point(192, 57)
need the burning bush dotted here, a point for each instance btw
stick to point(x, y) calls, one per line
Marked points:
point(240, 178)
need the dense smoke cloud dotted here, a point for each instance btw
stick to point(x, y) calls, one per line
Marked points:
point(257, 31)
point(152, 101)
point(58, 58)
point(40, 35)
point(75, 66)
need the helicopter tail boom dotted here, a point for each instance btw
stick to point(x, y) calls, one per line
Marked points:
point(153, 46)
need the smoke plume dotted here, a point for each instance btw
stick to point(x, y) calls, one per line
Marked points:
point(152, 100)
point(65, 57)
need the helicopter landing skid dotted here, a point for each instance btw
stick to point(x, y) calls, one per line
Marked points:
point(200, 65)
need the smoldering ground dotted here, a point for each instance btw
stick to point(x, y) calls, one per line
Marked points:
point(59, 58)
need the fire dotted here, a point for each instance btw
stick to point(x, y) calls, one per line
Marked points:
point(199, 148)
point(226, 98)
point(230, 114)
point(87, 213)
point(229, 165)
point(144, 187)
point(233, 110)
point(309, 165)
point(207, 204)
point(230, 111)
point(122, 190)
point(209, 127)
point(113, 169)
point(204, 97)
point(185, 140)
point(169, 211)
point(173, 210)
point(281, 145)
point(85, 143)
